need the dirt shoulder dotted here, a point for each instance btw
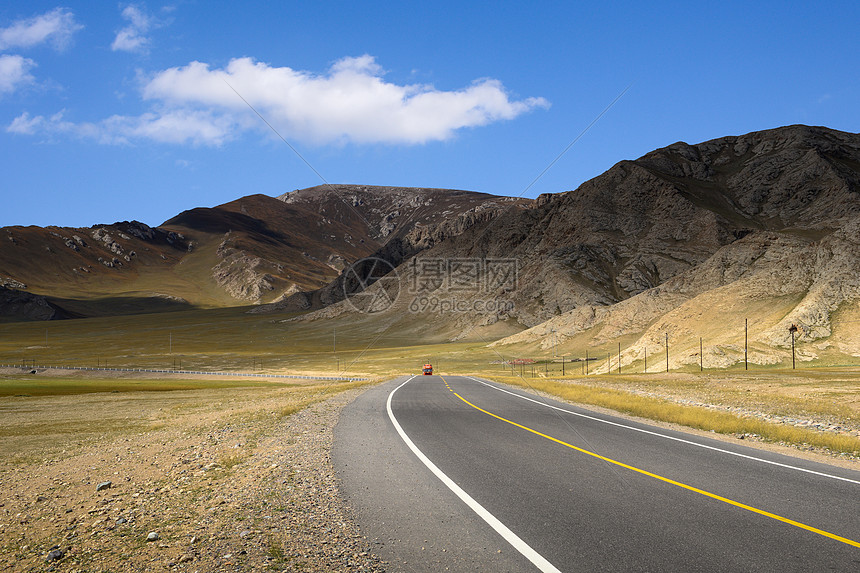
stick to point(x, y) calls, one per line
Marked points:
point(226, 480)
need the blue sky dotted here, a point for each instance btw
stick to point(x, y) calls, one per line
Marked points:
point(116, 111)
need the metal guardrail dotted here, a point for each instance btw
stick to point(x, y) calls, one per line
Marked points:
point(167, 371)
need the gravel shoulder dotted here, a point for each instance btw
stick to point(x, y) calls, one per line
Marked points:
point(193, 481)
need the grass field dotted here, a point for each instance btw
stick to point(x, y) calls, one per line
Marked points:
point(38, 416)
point(232, 340)
point(25, 385)
point(656, 399)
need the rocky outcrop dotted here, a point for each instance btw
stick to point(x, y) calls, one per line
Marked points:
point(644, 222)
point(389, 212)
point(242, 276)
point(419, 238)
point(21, 305)
point(687, 241)
point(774, 280)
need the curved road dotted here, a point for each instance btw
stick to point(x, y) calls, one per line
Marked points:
point(459, 474)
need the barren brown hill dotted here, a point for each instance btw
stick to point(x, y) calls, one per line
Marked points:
point(269, 249)
point(403, 221)
point(256, 249)
point(102, 269)
point(767, 227)
point(645, 221)
point(387, 211)
point(682, 240)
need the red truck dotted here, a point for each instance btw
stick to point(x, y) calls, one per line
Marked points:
point(428, 369)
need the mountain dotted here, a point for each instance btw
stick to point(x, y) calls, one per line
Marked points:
point(256, 249)
point(81, 271)
point(387, 212)
point(687, 240)
point(402, 221)
point(646, 221)
point(770, 227)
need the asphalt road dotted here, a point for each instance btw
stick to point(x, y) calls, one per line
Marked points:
point(544, 486)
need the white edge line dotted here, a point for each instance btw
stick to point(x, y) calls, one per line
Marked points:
point(762, 460)
point(536, 558)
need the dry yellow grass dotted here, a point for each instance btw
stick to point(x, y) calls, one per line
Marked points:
point(690, 416)
point(232, 340)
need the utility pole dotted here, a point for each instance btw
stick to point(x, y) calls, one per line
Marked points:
point(586, 362)
point(701, 360)
point(667, 352)
point(646, 360)
point(792, 330)
point(619, 358)
point(562, 365)
point(170, 344)
point(746, 340)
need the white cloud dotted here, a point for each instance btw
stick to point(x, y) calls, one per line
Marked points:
point(24, 124)
point(178, 127)
point(351, 102)
point(133, 38)
point(14, 72)
point(55, 27)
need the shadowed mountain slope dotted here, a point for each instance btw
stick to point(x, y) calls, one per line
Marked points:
point(764, 224)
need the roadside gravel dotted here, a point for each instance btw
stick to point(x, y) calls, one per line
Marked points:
point(213, 491)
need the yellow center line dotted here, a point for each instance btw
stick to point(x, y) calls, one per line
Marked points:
point(665, 479)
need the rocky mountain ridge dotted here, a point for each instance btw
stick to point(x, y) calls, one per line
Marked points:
point(253, 250)
point(646, 221)
point(422, 230)
point(764, 224)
